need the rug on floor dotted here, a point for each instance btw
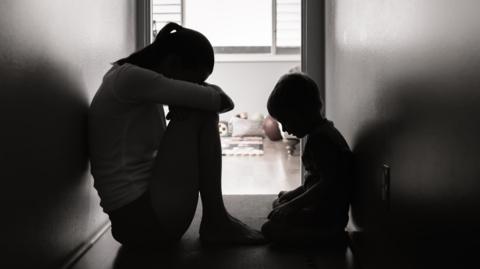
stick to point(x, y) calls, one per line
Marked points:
point(242, 146)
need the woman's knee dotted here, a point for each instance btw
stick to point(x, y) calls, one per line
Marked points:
point(204, 116)
point(192, 115)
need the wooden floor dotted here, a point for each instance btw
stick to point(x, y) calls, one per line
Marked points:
point(276, 170)
point(252, 209)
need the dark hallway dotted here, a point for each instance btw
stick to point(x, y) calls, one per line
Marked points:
point(52, 56)
point(401, 81)
point(403, 85)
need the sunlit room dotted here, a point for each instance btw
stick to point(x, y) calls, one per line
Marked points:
point(255, 43)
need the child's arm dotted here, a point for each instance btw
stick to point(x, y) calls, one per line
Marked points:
point(322, 156)
point(285, 196)
point(307, 197)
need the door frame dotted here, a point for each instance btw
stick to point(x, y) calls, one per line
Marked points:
point(313, 46)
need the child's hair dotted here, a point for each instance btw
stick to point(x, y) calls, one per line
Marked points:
point(295, 91)
point(190, 47)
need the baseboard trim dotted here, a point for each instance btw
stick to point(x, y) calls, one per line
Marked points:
point(86, 246)
point(354, 249)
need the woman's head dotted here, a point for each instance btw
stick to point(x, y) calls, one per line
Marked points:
point(178, 53)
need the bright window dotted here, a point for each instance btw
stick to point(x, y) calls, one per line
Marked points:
point(164, 11)
point(237, 26)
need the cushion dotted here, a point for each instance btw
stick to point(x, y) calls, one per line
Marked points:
point(246, 127)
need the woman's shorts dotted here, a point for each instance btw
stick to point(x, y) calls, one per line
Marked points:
point(136, 225)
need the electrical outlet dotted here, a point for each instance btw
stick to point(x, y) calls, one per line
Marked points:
point(386, 186)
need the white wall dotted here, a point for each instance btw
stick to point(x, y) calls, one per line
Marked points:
point(249, 83)
point(53, 55)
point(403, 83)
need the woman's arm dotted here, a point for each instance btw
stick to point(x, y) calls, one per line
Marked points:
point(226, 103)
point(136, 84)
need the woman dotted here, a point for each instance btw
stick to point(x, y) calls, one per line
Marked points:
point(148, 175)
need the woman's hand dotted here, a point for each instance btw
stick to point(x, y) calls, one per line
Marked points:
point(226, 103)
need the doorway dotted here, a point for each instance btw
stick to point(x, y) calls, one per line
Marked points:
point(255, 42)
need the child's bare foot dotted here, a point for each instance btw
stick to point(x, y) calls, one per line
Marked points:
point(230, 231)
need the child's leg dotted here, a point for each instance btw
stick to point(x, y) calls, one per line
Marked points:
point(188, 161)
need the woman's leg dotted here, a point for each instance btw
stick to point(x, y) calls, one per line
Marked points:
point(210, 170)
point(217, 225)
point(174, 184)
point(189, 161)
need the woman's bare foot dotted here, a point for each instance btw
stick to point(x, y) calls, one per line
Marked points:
point(230, 231)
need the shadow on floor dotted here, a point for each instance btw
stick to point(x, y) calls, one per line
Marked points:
point(234, 257)
point(189, 253)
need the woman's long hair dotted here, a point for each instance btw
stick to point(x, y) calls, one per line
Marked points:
point(190, 47)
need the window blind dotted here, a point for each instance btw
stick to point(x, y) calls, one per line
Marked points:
point(165, 11)
point(288, 25)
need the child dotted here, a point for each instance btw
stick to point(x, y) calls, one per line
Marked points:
point(317, 211)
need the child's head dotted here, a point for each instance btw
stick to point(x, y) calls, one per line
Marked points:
point(178, 53)
point(295, 102)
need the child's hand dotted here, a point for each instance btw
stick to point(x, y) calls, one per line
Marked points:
point(281, 212)
point(279, 200)
point(281, 193)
